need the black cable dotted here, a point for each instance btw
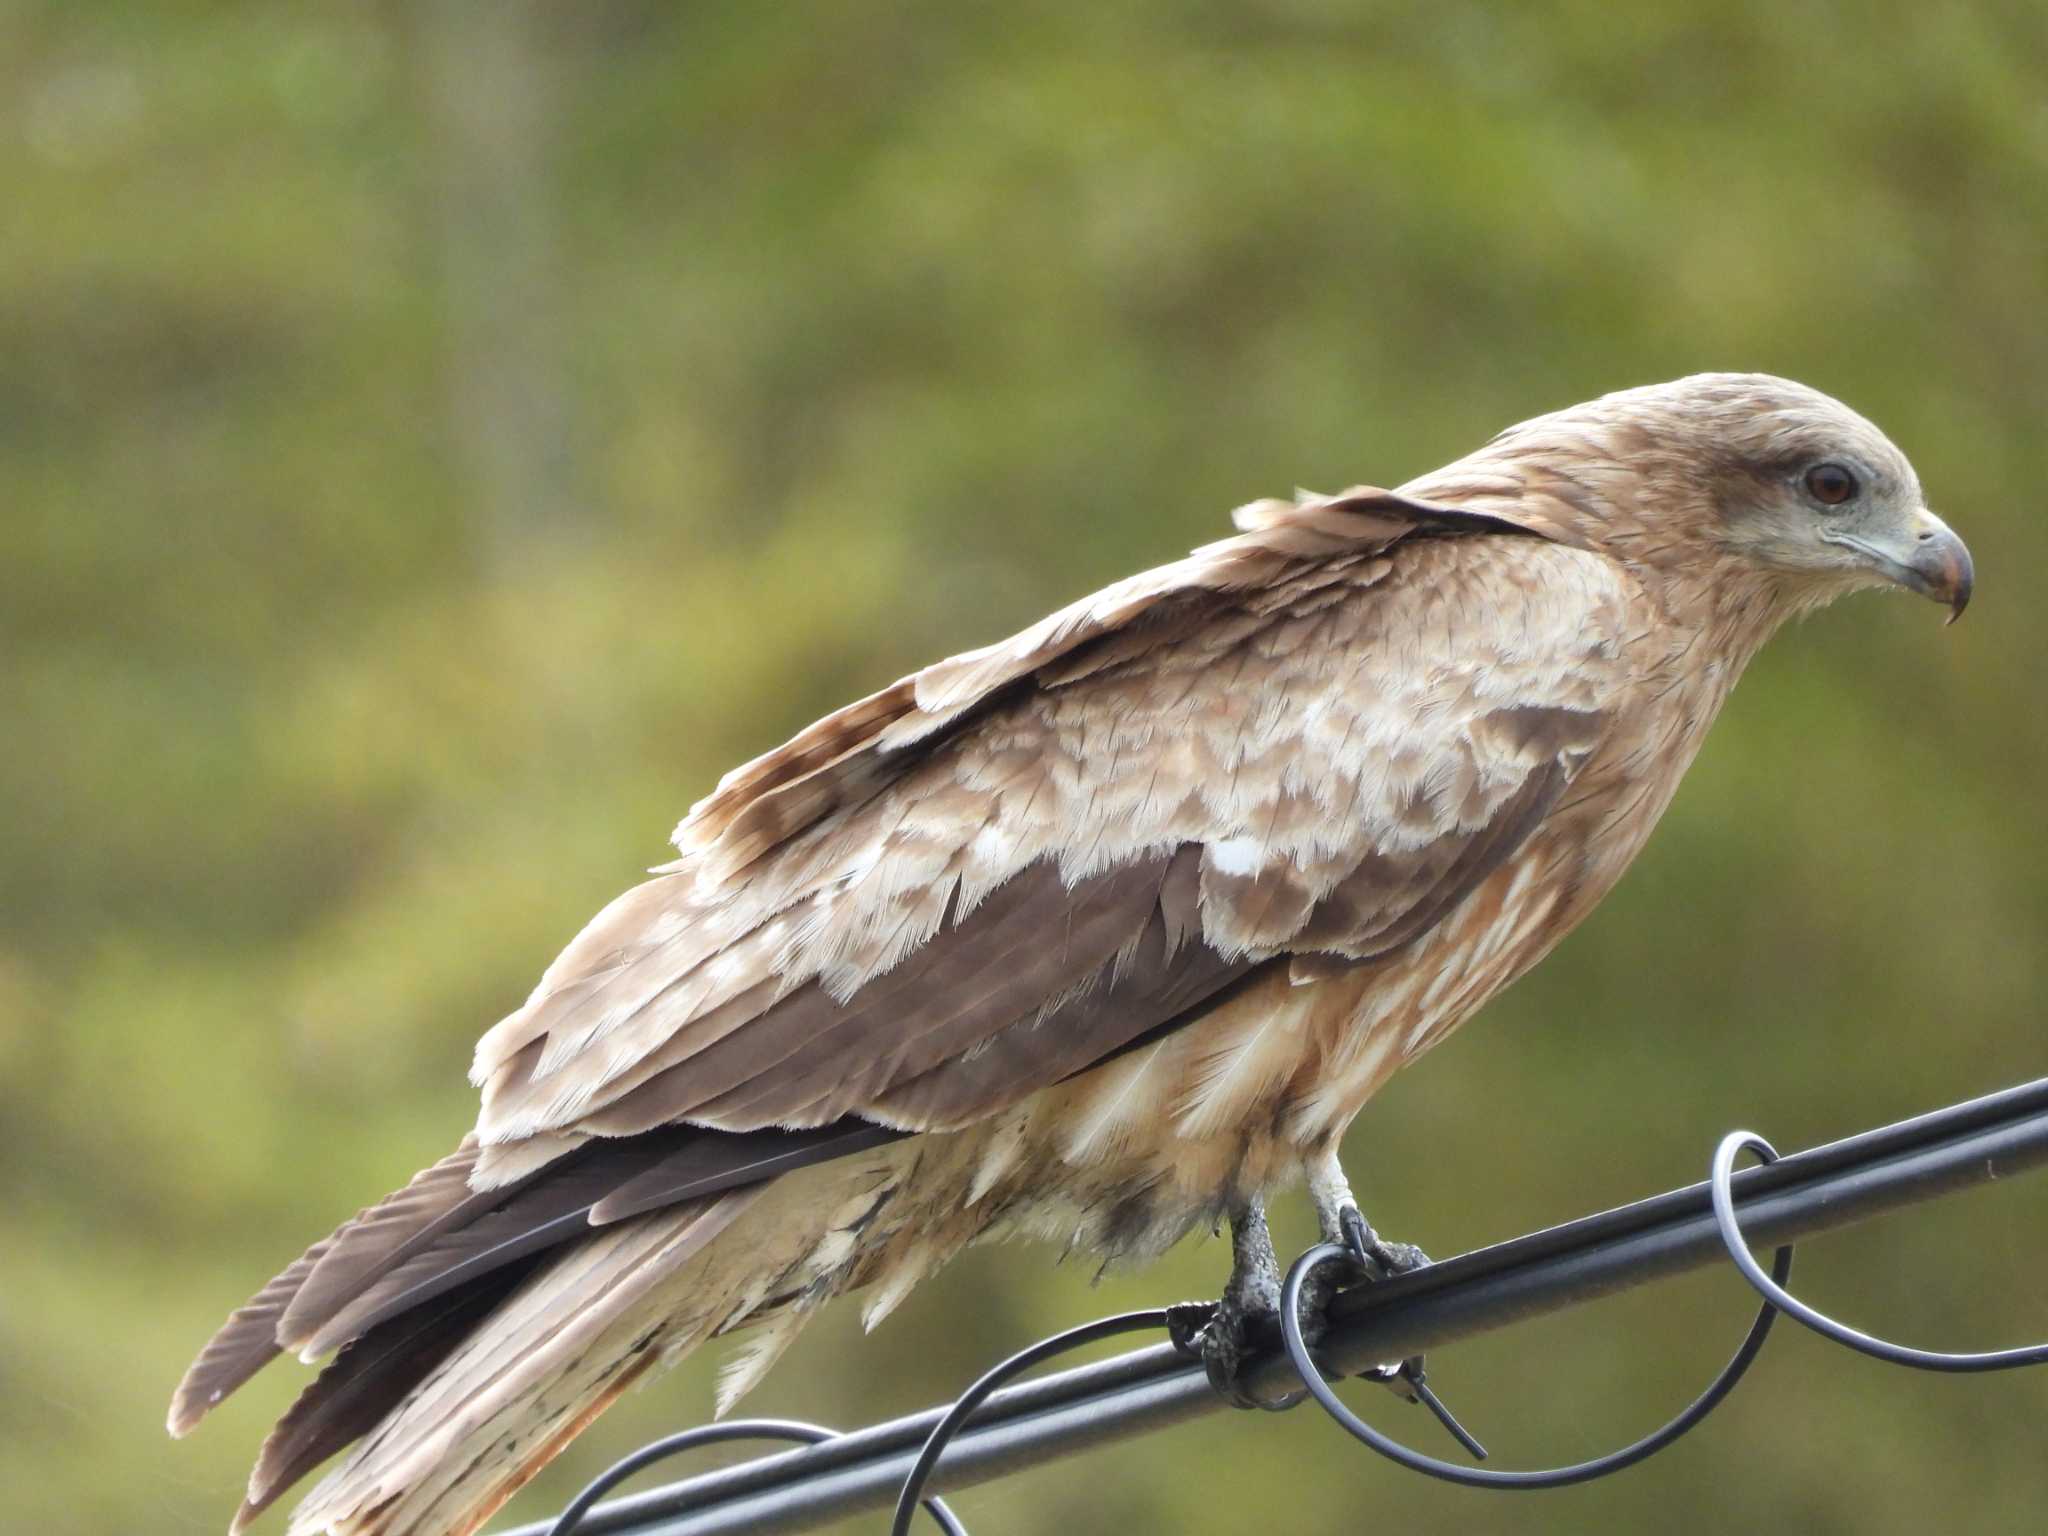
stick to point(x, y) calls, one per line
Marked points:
point(712, 1434)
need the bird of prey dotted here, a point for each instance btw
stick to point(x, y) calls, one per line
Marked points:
point(1101, 933)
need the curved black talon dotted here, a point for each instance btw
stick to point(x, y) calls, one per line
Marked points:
point(1372, 1253)
point(1185, 1321)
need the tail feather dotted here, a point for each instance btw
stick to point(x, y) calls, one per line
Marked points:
point(495, 1409)
point(479, 1332)
point(363, 1383)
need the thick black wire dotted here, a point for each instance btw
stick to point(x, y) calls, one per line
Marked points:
point(1773, 1291)
point(956, 1416)
point(712, 1434)
point(1478, 1477)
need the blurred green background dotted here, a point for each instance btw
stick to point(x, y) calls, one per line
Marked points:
point(436, 440)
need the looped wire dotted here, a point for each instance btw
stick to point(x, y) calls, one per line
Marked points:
point(1480, 1477)
point(712, 1434)
point(943, 1432)
point(1773, 1291)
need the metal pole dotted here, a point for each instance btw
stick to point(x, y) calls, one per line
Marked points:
point(1148, 1389)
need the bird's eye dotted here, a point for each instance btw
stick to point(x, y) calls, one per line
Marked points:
point(1830, 484)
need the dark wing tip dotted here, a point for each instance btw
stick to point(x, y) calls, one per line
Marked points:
point(241, 1347)
point(364, 1382)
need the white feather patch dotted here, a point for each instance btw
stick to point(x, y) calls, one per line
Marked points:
point(911, 1266)
point(1236, 856)
point(1000, 1156)
point(756, 1357)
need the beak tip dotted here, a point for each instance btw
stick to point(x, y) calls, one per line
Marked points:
point(1940, 567)
point(1962, 582)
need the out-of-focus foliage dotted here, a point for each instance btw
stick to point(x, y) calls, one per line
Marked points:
point(435, 441)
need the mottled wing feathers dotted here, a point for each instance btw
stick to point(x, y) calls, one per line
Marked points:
point(639, 973)
point(778, 794)
point(810, 1059)
point(1310, 744)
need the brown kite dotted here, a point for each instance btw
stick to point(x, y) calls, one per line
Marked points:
point(1102, 933)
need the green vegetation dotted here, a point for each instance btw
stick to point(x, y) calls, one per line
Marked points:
point(436, 441)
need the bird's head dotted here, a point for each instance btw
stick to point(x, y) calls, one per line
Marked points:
point(1742, 474)
point(1811, 491)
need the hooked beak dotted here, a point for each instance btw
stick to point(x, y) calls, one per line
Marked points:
point(1928, 559)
